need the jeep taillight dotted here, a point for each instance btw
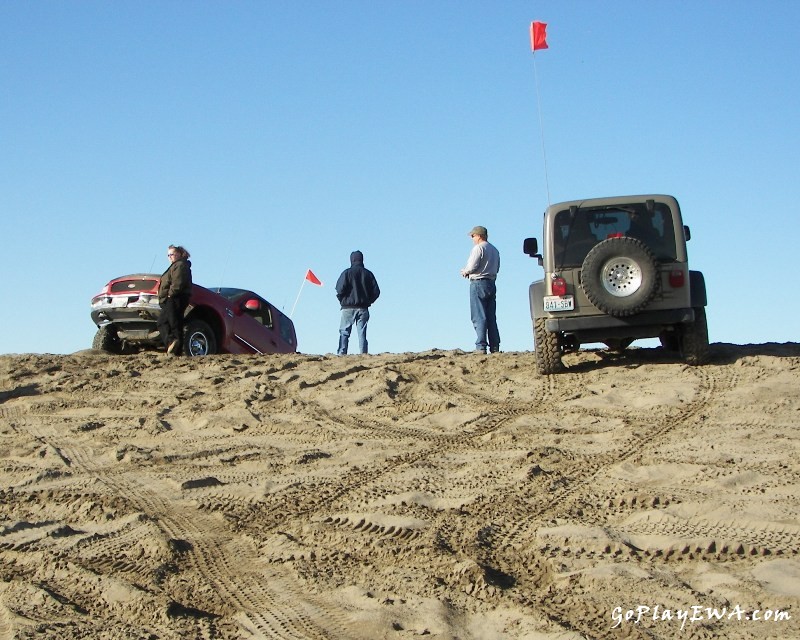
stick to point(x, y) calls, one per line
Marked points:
point(677, 278)
point(559, 287)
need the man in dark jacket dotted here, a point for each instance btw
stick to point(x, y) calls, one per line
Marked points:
point(356, 290)
point(174, 291)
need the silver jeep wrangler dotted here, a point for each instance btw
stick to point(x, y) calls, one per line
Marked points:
point(616, 270)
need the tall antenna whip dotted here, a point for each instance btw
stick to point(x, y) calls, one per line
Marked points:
point(539, 41)
point(225, 266)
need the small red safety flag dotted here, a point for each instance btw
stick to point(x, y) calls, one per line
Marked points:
point(312, 278)
point(538, 35)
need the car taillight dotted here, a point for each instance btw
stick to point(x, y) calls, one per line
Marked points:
point(677, 278)
point(559, 287)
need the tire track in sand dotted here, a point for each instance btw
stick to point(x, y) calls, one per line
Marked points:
point(268, 602)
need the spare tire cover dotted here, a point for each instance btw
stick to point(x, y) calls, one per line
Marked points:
point(620, 276)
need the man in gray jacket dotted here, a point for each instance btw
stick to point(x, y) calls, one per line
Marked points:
point(356, 290)
point(481, 271)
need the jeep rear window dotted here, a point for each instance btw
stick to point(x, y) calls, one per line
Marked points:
point(574, 235)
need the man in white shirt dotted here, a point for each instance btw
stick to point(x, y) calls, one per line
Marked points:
point(481, 270)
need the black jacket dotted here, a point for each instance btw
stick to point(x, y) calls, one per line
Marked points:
point(176, 281)
point(357, 287)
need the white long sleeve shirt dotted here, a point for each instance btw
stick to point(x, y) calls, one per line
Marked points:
point(483, 262)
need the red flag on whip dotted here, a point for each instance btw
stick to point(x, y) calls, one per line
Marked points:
point(539, 41)
point(312, 278)
point(538, 35)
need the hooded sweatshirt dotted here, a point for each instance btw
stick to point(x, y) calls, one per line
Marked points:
point(357, 287)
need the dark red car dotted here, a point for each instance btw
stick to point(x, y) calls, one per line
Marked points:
point(223, 320)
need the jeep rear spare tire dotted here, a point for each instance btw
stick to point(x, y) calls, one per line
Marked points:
point(620, 276)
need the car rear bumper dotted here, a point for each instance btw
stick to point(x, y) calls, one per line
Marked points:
point(105, 313)
point(135, 322)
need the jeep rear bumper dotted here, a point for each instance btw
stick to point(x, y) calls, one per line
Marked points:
point(642, 325)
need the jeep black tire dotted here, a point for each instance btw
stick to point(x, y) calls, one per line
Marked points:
point(620, 276)
point(547, 349)
point(106, 339)
point(694, 339)
point(199, 339)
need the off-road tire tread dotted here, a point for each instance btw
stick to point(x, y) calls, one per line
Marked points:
point(694, 339)
point(547, 348)
point(106, 340)
point(591, 276)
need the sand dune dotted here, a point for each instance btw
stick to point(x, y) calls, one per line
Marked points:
point(440, 494)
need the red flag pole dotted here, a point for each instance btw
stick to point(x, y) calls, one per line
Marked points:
point(311, 277)
point(538, 41)
point(296, 300)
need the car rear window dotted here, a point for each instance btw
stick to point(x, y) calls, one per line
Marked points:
point(287, 328)
point(126, 286)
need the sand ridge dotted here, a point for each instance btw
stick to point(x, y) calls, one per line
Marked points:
point(441, 494)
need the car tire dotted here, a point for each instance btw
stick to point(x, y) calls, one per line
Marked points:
point(620, 276)
point(694, 339)
point(106, 339)
point(547, 349)
point(199, 339)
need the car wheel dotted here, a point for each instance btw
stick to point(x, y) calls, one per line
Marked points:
point(620, 276)
point(547, 348)
point(106, 339)
point(199, 339)
point(694, 339)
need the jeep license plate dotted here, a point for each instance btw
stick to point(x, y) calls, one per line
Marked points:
point(559, 303)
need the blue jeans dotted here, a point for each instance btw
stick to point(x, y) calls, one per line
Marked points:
point(350, 317)
point(483, 309)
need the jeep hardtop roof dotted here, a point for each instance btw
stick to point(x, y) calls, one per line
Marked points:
point(612, 201)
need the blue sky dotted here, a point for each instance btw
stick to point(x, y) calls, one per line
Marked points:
point(276, 136)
